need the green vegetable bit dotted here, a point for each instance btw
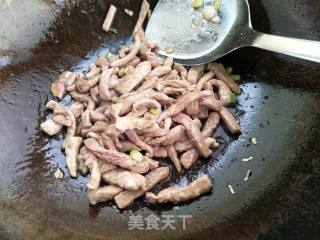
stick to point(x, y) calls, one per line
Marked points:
point(136, 155)
point(236, 78)
point(197, 3)
point(149, 14)
point(114, 30)
point(201, 74)
point(153, 111)
point(233, 99)
point(217, 4)
point(84, 171)
point(229, 70)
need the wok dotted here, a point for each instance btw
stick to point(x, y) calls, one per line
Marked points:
point(280, 106)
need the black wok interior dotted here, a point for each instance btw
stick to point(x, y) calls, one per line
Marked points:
point(280, 106)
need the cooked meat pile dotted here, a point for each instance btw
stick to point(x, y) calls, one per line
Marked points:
point(133, 109)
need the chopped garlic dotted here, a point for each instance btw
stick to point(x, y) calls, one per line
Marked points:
point(254, 141)
point(209, 12)
point(59, 174)
point(128, 12)
point(169, 50)
point(246, 177)
point(216, 145)
point(195, 23)
point(216, 19)
point(247, 159)
point(122, 72)
point(231, 189)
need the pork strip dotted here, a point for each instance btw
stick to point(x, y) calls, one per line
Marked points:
point(104, 85)
point(50, 127)
point(211, 124)
point(133, 137)
point(175, 83)
point(173, 135)
point(193, 133)
point(83, 85)
point(94, 93)
point(127, 146)
point(182, 146)
point(203, 112)
point(77, 109)
point(142, 15)
point(189, 157)
point(182, 103)
point(194, 72)
point(172, 91)
point(125, 179)
point(124, 161)
point(103, 194)
point(59, 109)
point(108, 142)
point(205, 78)
point(221, 74)
point(129, 123)
point(193, 109)
point(149, 83)
point(153, 164)
point(102, 61)
point(116, 158)
point(130, 56)
point(182, 70)
point(58, 88)
point(97, 116)
point(160, 152)
point(177, 194)
point(72, 146)
point(125, 198)
point(142, 106)
point(154, 131)
point(62, 120)
point(105, 167)
point(162, 98)
point(230, 121)
point(134, 78)
point(98, 127)
point(159, 71)
point(95, 174)
point(212, 103)
point(94, 71)
point(93, 145)
point(109, 18)
point(223, 90)
point(79, 97)
point(172, 154)
point(129, 99)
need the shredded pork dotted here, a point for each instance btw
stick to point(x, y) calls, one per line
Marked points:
point(133, 109)
point(177, 194)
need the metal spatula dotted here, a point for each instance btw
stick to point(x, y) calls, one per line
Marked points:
point(172, 26)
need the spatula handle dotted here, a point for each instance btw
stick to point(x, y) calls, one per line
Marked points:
point(305, 49)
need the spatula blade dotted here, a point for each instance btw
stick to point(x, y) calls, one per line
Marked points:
point(174, 23)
